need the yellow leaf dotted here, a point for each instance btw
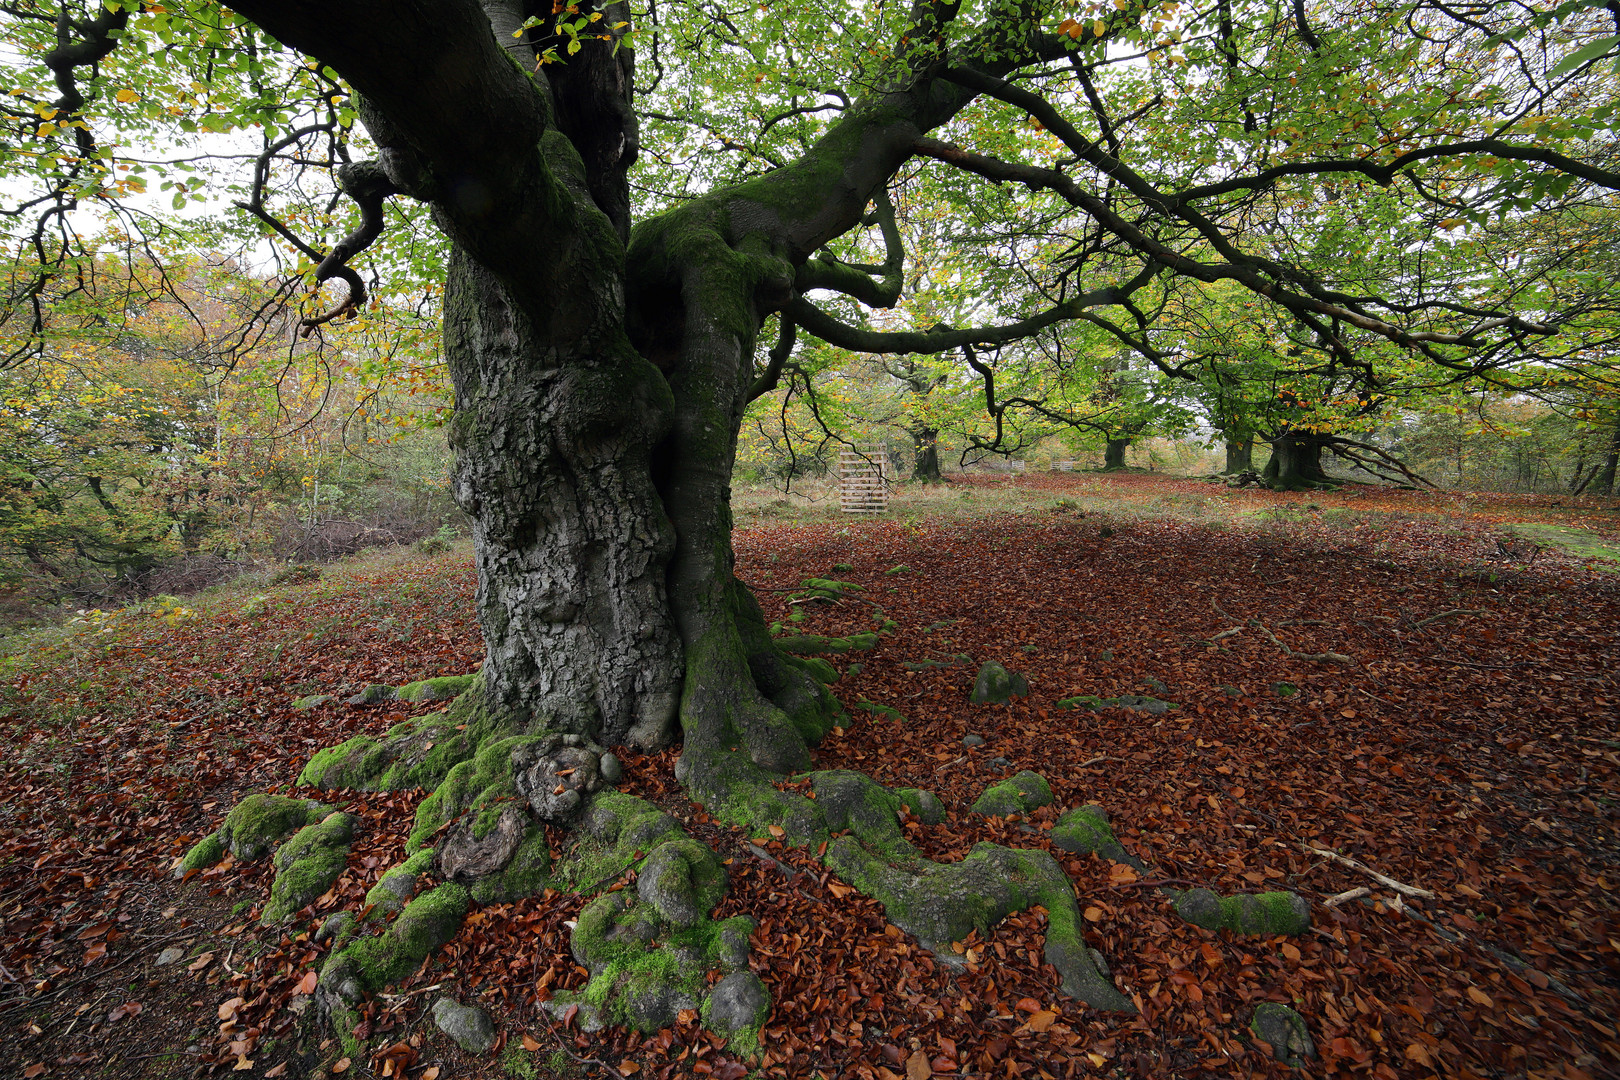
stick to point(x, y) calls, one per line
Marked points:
point(1099, 28)
point(243, 1063)
point(1480, 997)
point(127, 96)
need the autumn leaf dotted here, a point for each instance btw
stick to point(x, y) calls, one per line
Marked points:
point(341, 1065)
point(1041, 1020)
point(917, 1066)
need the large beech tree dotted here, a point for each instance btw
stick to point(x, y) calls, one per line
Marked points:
point(602, 364)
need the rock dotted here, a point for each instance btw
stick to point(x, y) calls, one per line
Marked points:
point(1285, 1030)
point(1018, 794)
point(588, 1018)
point(397, 885)
point(1085, 831)
point(973, 740)
point(1155, 684)
point(556, 774)
point(999, 763)
point(923, 805)
point(737, 1002)
point(611, 769)
point(374, 694)
point(171, 955)
point(470, 1027)
point(1284, 690)
point(995, 685)
point(336, 927)
point(313, 701)
point(465, 856)
point(683, 881)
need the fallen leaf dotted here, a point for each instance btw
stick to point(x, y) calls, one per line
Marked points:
point(201, 962)
point(227, 1009)
point(306, 985)
point(530, 1043)
point(917, 1067)
point(1480, 997)
point(777, 831)
point(279, 1070)
point(341, 1065)
point(243, 1064)
point(1093, 914)
point(1041, 1020)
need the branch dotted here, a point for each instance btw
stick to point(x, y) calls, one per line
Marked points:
point(772, 375)
point(828, 272)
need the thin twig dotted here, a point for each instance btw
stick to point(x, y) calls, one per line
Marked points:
point(1101, 757)
point(1389, 882)
point(1350, 894)
point(1446, 615)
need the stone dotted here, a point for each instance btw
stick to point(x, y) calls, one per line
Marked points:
point(995, 685)
point(466, 856)
point(1284, 1029)
point(312, 701)
point(1155, 684)
point(375, 694)
point(737, 1002)
point(683, 881)
point(973, 740)
point(611, 769)
point(171, 955)
point(470, 1027)
point(1019, 794)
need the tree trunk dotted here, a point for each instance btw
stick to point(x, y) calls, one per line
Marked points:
point(1605, 480)
point(1239, 456)
point(553, 451)
point(926, 443)
point(1296, 464)
point(1114, 453)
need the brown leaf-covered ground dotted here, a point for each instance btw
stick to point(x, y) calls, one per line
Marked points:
point(1469, 748)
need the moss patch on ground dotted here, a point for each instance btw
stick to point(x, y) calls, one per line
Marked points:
point(1581, 543)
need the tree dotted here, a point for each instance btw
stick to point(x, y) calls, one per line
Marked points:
point(601, 365)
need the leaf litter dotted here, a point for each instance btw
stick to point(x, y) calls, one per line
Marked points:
point(1472, 757)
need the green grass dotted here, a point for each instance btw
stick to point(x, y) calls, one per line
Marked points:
point(1577, 542)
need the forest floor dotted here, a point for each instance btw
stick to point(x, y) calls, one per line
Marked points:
point(1465, 745)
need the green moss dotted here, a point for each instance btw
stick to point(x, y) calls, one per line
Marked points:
point(395, 887)
point(882, 712)
point(1255, 914)
point(1085, 831)
point(204, 853)
point(923, 805)
point(478, 783)
point(259, 822)
point(854, 801)
point(440, 689)
point(1019, 794)
point(426, 924)
point(308, 864)
point(527, 874)
point(816, 643)
point(818, 668)
point(415, 754)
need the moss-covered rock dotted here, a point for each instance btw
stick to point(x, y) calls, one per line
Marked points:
point(1258, 914)
point(444, 688)
point(683, 881)
point(922, 805)
point(1085, 830)
point(1019, 794)
point(818, 668)
point(737, 1007)
point(995, 685)
point(308, 865)
point(468, 1026)
point(1135, 702)
point(1284, 1030)
point(882, 712)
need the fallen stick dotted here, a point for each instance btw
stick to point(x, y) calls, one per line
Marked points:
point(1350, 894)
point(1321, 657)
point(1389, 882)
point(1446, 615)
point(1101, 757)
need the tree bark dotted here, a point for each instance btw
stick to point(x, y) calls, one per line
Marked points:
point(1239, 456)
point(1114, 453)
point(1296, 464)
point(926, 443)
point(1605, 480)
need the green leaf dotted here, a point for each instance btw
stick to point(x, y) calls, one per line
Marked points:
point(1592, 50)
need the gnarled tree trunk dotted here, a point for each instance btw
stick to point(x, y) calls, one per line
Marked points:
point(1114, 453)
point(1239, 456)
point(925, 442)
point(1296, 463)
